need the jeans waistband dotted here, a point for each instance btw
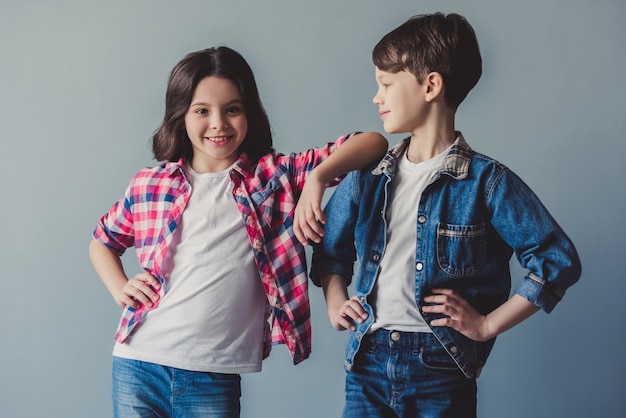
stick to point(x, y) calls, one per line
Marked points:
point(401, 338)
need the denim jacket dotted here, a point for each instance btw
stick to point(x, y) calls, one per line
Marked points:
point(473, 215)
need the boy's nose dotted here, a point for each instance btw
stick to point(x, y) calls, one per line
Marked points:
point(376, 99)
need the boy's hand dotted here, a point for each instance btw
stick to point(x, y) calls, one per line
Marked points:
point(309, 211)
point(346, 315)
point(139, 290)
point(461, 315)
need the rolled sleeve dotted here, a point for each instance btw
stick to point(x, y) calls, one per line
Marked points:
point(539, 243)
point(322, 265)
point(336, 253)
point(116, 228)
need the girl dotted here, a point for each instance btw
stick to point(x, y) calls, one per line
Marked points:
point(217, 232)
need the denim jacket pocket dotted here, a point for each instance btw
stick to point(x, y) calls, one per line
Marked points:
point(461, 248)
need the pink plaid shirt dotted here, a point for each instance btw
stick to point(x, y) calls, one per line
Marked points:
point(266, 195)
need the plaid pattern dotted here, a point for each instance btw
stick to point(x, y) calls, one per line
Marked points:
point(266, 195)
point(456, 162)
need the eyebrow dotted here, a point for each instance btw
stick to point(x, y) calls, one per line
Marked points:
point(236, 101)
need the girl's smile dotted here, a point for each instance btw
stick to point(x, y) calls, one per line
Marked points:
point(220, 139)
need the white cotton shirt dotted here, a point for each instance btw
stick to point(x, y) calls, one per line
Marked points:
point(393, 296)
point(211, 318)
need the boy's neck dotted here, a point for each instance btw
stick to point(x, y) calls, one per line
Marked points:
point(431, 140)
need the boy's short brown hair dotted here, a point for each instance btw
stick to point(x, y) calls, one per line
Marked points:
point(440, 43)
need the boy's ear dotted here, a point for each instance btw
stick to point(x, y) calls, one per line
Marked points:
point(433, 83)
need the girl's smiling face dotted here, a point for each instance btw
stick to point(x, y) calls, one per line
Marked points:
point(216, 124)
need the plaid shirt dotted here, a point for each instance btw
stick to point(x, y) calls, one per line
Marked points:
point(266, 195)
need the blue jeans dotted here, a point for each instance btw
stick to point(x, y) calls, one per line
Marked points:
point(145, 390)
point(403, 374)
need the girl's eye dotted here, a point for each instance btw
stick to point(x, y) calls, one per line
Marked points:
point(385, 85)
point(201, 111)
point(233, 110)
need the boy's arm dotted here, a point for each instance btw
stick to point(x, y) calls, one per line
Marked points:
point(359, 151)
point(342, 312)
point(126, 292)
point(465, 319)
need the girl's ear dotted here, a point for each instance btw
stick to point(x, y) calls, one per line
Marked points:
point(433, 83)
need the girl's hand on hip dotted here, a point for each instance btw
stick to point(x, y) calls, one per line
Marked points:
point(140, 290)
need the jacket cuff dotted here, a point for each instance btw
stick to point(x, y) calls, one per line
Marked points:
point(536, 291)
point(321, 266)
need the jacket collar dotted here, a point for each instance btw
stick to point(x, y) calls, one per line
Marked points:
point(455, 164)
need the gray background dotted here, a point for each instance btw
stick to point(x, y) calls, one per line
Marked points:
point(81, 90)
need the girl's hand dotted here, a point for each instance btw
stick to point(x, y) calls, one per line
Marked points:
point(347, 315)
point(308, 214)
point(139, 290)
point(461, 315)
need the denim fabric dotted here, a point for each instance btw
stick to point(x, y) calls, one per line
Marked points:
point(148, 390)
point(403, 374)
point(474, 214)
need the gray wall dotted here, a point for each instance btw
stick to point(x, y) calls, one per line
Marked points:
point(81, 90)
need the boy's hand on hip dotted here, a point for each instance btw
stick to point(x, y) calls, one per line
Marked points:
point(347, 315)
point(461, 316)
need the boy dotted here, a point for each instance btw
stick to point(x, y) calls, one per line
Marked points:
point(434, 226)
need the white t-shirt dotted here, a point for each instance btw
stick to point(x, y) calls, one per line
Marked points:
point(393, 296)
point(211, 318)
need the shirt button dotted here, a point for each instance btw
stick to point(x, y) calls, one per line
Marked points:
point(376, 257)
point(454, 349)
point(419, 266)
point(395, 336)
point(421, 219)
point(249, 219)
point(278, 305)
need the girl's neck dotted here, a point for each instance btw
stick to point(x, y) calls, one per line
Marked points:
point(200, 166)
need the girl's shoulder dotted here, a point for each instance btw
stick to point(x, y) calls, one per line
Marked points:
point(163, 172)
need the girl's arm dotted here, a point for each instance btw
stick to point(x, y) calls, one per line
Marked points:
point(465, 319)
point(126, 292)
point(358, 152)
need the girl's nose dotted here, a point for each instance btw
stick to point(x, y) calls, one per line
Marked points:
point(219, 122)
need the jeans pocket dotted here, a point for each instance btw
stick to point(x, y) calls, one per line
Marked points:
point(461, 248)
point(437, 359)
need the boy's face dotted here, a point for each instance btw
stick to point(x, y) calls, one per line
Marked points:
point(401, 101)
